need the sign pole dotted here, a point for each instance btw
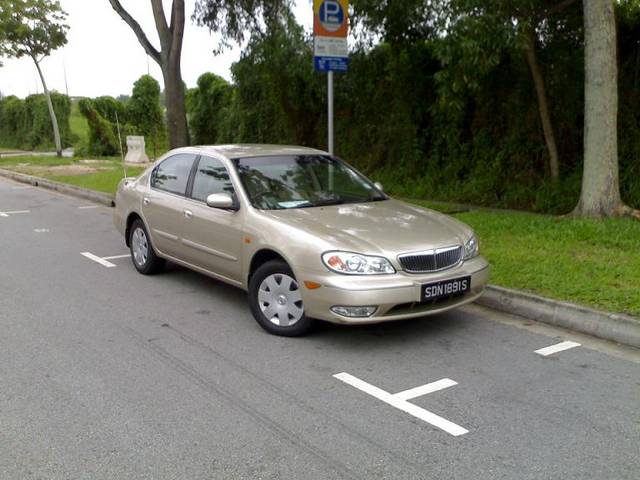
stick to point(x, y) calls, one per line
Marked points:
point(330, 51)
point(330, 110)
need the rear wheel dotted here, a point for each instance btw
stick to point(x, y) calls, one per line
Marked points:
point(276, 300)
point(144, 257)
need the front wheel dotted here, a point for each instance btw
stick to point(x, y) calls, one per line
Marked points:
point(276, 300)
point(144, 257)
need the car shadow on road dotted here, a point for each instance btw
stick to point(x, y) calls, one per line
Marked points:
point(439, 327)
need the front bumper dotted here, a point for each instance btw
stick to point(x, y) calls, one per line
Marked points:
point(396, 296)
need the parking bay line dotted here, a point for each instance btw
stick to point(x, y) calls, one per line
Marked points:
point(13, 212)
point(97, 259)
point(86, 207)
point(115, 257)
point(559, 347)
point(399, 401)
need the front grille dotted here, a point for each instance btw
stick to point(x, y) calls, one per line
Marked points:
point(431, 260)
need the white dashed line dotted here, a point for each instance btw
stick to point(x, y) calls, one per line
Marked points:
point(41, 230)
point(400, 403)
point(97, 259)
point(86, 207)
point(559, 347)
point(2, 214)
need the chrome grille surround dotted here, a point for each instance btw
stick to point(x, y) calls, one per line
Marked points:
point(432, 260)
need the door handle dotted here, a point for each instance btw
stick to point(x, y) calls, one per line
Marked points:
point(188, 213)
point(146, 201)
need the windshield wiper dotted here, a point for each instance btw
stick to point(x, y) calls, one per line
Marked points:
point(323, 202)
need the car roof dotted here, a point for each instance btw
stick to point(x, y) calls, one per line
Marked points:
point(257, 150)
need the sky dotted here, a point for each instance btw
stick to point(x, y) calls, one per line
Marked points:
point(103, 56)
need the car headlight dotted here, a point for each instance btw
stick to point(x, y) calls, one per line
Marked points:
point(471, 248)
point(357, 264)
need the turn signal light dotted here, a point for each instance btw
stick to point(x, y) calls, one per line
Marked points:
point(311, 285)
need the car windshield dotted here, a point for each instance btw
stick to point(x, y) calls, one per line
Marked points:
point(302, 181)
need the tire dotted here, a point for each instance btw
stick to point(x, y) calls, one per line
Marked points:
point(275, 300)
point(143, 255)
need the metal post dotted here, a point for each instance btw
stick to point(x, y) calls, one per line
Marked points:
point(330, 124)
point(330, 110)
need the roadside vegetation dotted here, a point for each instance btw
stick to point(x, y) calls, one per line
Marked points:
point(594, 263)
point(102, 175)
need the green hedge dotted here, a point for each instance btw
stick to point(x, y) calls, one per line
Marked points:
point(26, 124)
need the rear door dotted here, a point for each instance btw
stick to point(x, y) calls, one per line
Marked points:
point(213, 236)
point(164, 205)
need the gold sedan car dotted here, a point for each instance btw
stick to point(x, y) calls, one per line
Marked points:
point(303, 232)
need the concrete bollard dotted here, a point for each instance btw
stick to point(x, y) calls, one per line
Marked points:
point(136, 150)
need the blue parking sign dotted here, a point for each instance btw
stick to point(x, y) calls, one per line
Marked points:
point(331, 64)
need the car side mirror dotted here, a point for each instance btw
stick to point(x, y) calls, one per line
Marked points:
point(224, 201)
point(378, 185)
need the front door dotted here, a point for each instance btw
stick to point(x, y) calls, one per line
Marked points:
point(212, 236)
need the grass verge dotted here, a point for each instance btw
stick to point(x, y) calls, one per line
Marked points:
point(100, 175)
point(103, 181)
point(594, 263)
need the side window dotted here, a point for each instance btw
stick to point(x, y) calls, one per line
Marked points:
point(172, 175)
point(211, 177)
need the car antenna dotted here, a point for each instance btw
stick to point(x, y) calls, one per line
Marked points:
point(124, 167)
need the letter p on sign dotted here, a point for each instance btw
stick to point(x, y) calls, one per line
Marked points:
point(331, 18)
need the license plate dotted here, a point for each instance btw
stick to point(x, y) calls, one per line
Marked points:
point(432, 292)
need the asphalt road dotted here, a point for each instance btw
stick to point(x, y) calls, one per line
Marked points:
point(109, 374)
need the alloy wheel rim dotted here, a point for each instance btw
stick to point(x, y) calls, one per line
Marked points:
point(140, 246)
point(280, 300)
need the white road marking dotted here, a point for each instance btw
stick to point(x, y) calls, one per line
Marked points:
point(97, 259)
point(22, 187)
point(559, 347)
point(115, 257)
point(86, 207)
point(16, 212)
point(425, 389)
point(41, 230)
point(402, 404)
point(2, 214)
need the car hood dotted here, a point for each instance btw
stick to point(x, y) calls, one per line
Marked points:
point(388, 227)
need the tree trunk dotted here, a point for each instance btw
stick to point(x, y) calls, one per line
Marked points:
point(176, 110)
point(52, 113)
point(168, 58)
point(543, 104)
point(600, 195)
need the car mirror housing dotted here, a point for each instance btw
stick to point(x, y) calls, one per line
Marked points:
point(224, 201)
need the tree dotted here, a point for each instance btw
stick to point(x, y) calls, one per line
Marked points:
point(206, 102)
point(34, 28)
point(234, 19)
point(168, 57)
point(144, 111)
point(472, 34)
point(600, 195)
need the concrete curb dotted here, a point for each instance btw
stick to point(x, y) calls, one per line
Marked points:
point(97, 197)
point(619, 328)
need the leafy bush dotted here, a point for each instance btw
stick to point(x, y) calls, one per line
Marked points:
point(103, 137)
point(26, 124)
point(208, 106)
point(143, 112)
